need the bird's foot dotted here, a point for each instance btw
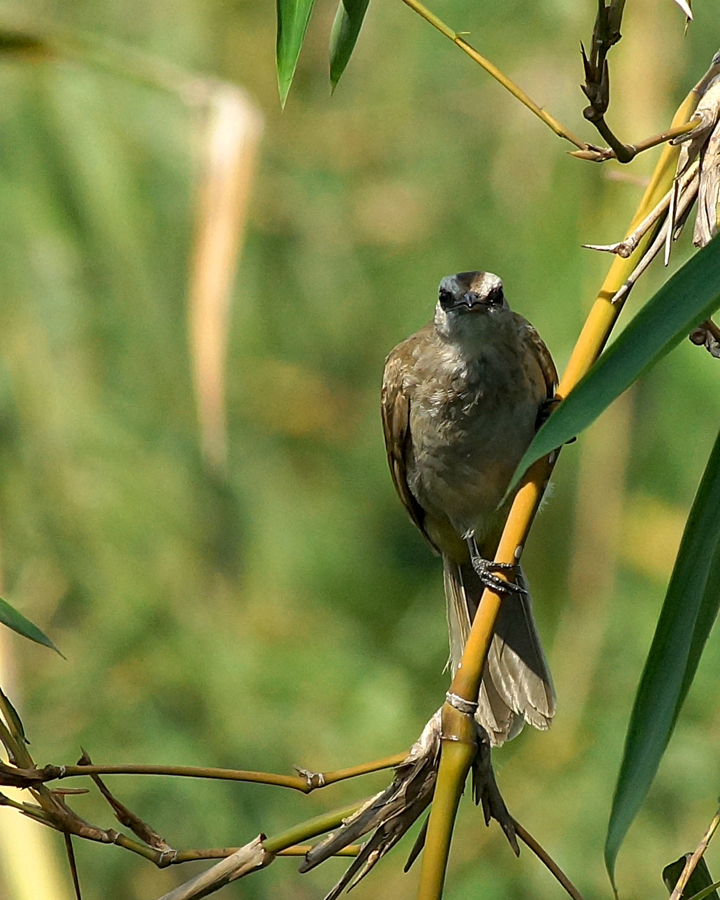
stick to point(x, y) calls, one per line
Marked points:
point(486, 791)
point(485, 570)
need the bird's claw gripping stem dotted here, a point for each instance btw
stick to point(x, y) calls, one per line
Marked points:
point(484, 570)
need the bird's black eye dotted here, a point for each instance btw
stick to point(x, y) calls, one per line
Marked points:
point(446, 298)
point(495, 297)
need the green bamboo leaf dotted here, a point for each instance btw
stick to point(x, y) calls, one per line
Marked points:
point(344, 34)
point(689, 297)
point(13, 619)
point(292, 22)
point(688, 613)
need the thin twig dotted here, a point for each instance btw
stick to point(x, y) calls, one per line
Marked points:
point(603, 153)
point(694, 859)
point(320, 779)
point(306, 782)
point(311, 828)
point(247, 859)
point(73, 866)
point(303, 849)
point(606, 33)
point(290, 781)
point(125, 816)
point(625, 247)
point(197, 854)
point(517, 92)
point(666, 233)
point(623, 152)
point(547, 860)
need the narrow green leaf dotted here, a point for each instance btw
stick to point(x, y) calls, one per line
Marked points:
point(709, 891)
point(292, 22)
point(689, 297)
point(688, 613)
point(345, 30)
point(13, 619)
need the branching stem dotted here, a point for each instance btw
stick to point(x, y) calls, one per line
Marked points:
point(309, 829)
point(604, 153)
point(305, 782)
point(694, 859)
point(517, 92)
point(547, 860)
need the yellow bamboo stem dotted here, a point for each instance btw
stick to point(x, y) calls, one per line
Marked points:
point(456, 756)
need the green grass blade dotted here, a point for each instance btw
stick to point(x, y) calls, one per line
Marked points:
point(13, 619)
point(688, 613)
point(689, 297)
point(344, 34)
point(709, 891)
point(292, 22)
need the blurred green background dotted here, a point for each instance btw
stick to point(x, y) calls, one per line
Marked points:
point(289, 613)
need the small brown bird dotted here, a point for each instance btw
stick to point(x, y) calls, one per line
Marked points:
point(461, 399)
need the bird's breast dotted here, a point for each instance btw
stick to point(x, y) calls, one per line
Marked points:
point(470, 422)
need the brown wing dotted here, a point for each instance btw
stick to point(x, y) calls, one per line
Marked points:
point(395, 409)
point(543, 357)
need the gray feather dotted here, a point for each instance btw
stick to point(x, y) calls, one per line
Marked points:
point(516, 685)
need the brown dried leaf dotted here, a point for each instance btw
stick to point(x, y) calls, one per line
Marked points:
point(230, 131)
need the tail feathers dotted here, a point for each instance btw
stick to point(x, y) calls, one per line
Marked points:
point(516, 685)
point(458, 613)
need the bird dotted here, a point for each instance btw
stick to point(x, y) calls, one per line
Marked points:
point(461, 400)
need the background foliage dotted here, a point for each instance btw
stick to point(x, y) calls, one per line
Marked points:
point(289, 613)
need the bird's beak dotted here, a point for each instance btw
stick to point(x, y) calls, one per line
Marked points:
point(470, 300)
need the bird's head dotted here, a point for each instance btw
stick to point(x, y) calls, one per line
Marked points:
point(467, 300)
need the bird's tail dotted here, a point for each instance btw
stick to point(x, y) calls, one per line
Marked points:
point(516, 684)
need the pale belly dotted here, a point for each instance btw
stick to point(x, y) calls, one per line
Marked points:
point(462, 458)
